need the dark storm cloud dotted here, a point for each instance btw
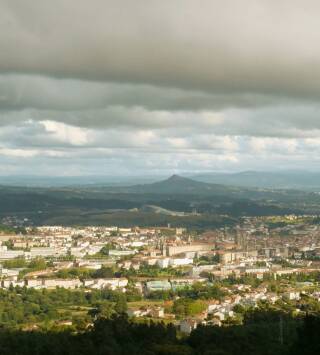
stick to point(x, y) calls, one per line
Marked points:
point(263, 46)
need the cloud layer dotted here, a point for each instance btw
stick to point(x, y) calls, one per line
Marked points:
point(158, 86)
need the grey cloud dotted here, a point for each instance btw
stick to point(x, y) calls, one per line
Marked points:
point(287, 120)
point(102, 85)
point(252, 46)
point(19, 92)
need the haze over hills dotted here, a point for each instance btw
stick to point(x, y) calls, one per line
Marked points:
point(67, 181)
point(290, 179)
point(177, 185)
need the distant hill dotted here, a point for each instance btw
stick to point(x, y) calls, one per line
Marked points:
point(300, 180)
point(175, 199)
point(186, 189)
point(181, 185)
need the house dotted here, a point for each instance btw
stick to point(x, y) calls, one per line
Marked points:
point(157, 312)
point(163, 263)
point(9, 272)
point(188, 325)
point(219, 315)
point(137, 313)
point(215, 322)
point(113, 283)
point(292, 295)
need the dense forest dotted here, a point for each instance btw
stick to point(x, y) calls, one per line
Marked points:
point(260, 335)
point(71, 322)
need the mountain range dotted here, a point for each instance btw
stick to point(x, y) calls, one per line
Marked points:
point(161, 202)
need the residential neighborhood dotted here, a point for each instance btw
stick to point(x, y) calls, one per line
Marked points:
point(229, 269)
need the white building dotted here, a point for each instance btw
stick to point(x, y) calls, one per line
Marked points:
point(188, 325)
point(34, 283)
point(11, 254)
point(180, 262)
point(64, 283)
point(46, 252)
point(14, 283)
point(113, 284)
point(116, 252)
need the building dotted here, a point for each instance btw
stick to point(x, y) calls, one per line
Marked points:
point(179, 249)
point(180, 262)
point(63, 283)
point(115, 252)
point(188, 325)
point(112, 283)
point(46, 252)
point(11, 254)
point(232, 256)
point(158, 285)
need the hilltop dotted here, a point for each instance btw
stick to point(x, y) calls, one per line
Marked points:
point(177, 184)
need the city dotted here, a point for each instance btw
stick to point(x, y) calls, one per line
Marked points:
point(173, 274)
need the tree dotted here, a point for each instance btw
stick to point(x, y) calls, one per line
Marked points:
point(121, 305)
point(104, 272)
point(104, 310)
point(187, 307)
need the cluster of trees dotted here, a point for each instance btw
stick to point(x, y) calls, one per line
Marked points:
point(303, 277)
point(207, 260)
point(21, 306)
point(109, 272)
point(152, 271)
point(308, 304)
point(196, 291)
point(128, 219)
point(186, 307)
point(15, 263)
point(202, 291)
point(27, 266)
point(11, 230)
point(249, 280)
point(84, 273)
point(263, 334)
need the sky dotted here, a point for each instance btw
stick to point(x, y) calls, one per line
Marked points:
point(122, 87)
